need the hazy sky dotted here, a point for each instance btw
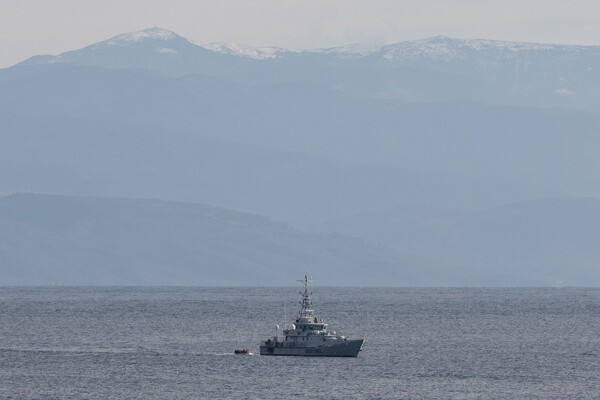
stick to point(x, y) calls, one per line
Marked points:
point(29, 27)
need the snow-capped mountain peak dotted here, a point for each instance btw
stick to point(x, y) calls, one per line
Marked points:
point(270, 52)
point(240, 50)
point(349, 50)
point(154, 33)
point(153, 40)
point(446, 48)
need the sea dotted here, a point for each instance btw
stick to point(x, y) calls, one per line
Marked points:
point(178, 343)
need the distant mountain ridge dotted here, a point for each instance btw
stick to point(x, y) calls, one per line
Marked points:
point(553, 240)
point(73, 240)
point(69, 240)
point(441, 47)
point(548, 75)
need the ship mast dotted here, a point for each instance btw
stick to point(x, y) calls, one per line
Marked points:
point(306, 310)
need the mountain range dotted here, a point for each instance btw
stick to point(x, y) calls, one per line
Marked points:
point(433, 69)
point(330, 141)
point(69, 240)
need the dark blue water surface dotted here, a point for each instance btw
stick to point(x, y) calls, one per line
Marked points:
point(177, 343)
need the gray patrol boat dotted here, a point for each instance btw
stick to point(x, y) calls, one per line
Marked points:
point(309, 336)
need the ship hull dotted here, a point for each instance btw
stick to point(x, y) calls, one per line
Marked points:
point(348, 348)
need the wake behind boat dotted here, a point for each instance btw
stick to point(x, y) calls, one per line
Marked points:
point(309, 336)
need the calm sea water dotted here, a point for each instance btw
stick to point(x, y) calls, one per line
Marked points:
point(177, 343)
